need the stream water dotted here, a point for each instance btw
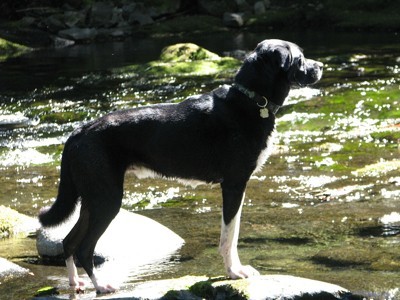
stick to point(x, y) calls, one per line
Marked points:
point(326, 206)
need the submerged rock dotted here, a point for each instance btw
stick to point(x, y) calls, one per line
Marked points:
point(131, 238)
point(78, 34)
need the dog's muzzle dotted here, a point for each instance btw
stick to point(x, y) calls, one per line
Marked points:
point(306, 73)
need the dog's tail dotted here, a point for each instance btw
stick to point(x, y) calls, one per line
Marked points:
point(67, 196)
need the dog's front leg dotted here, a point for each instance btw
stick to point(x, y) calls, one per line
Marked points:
point(232, 208)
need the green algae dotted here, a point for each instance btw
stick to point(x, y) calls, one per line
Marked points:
point(9, 49)
point(379, 168)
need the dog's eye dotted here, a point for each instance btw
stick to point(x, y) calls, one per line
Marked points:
point(300, 64)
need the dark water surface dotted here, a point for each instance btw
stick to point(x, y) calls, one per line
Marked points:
point(326, 205)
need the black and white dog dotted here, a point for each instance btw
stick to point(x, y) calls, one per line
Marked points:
point(222, 137)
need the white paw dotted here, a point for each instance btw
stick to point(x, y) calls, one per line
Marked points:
point(239, 272)
point(77, 284)
point(105, 289)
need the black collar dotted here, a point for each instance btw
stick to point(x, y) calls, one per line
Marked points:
point(261, 101)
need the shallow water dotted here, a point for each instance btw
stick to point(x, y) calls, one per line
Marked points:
point(323, 207)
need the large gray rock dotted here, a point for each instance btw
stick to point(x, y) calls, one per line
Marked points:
point(267, 287)
point(233, 20)
point(131, 238)
point(101, 14)
point(259, 8)
point(54, 23)
point(165, 7)
point(75, 18)
point(78, 34)
point(138, 18)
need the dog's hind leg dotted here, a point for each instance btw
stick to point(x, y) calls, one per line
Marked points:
point(101, 190)
point(233, 196)
point(100, 217)
point(74, 281)
point(70, 245)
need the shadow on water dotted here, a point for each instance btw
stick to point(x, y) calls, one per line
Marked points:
point(280, 240)
point(380, 231)
point(318, 209)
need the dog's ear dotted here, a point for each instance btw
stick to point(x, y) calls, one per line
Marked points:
point(283, 57)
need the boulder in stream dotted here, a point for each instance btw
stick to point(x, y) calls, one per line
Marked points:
point(266, 287)
point(132, 239)
point(78, 34)
point(12, 223)
point(9, 270)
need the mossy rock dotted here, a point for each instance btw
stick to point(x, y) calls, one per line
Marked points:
point(186, 52)
point(260, 287)
point(221, 288)
point(9, 49)
point(183, 60)
point(13, 223)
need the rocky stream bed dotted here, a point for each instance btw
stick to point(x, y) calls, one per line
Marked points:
point(325, 206)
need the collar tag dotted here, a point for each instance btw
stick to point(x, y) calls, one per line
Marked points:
point(264, 109)
point(264, 113)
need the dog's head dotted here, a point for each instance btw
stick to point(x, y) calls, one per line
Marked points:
point(274, 66)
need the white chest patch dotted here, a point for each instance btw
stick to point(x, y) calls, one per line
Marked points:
point(266, 152)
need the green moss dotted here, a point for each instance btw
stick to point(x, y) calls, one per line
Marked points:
point(378, 168)
point(183, 60)
point(186, 52)
point(9, 220)
point(63, 117)
point(235, 290)
point(388, 136)
point(220, 287)
point(9, 49)
point(198, 67)
point(203, 289)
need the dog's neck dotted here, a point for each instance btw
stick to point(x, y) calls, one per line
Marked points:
point(260, 100)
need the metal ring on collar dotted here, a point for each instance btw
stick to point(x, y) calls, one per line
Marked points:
point(266, 103)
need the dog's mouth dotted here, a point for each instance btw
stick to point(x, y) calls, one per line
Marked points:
point(308, 74)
